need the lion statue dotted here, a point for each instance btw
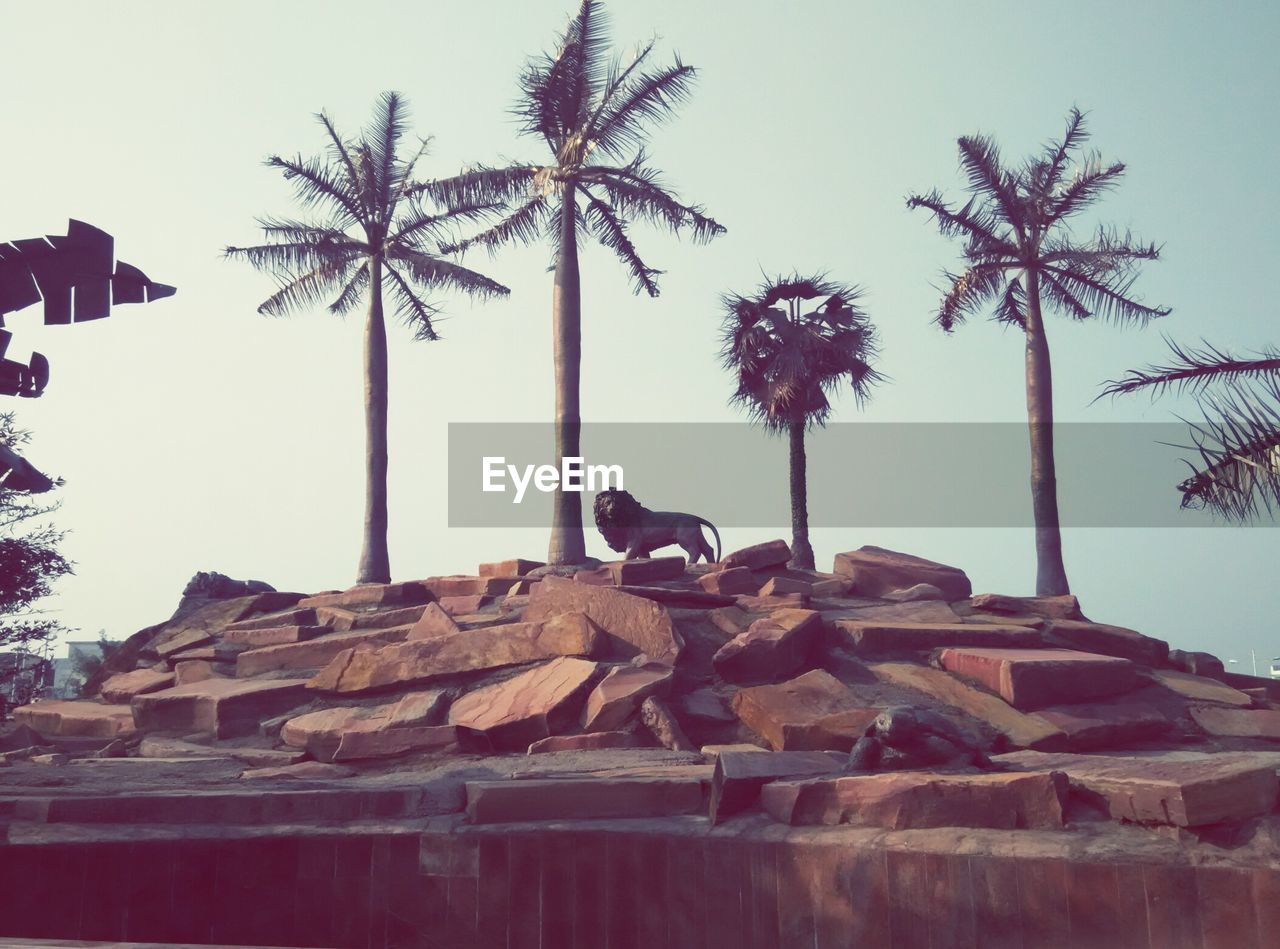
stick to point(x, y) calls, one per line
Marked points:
point(632, 529)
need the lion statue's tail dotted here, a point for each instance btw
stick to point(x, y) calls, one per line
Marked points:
point(714, 532)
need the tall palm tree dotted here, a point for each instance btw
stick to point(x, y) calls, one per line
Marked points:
point(1237, 471)
point(591, 111)
point(376, 229)
point(1022, 257)
point(789, 364)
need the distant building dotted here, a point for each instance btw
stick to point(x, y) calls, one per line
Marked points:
point(23, 676)
point(67, 679)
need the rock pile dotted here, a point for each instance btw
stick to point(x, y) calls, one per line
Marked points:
point(882, 693)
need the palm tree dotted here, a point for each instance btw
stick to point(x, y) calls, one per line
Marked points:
point(376, 229)
point(789, 364)
point(1237, 471)
point(591, 111)
point(1021, 256)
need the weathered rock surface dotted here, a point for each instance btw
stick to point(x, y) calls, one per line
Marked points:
point(1197, 663)
point(916, 594)
point(740, 775)
point(274, 635)
point(905, 800)
point(876, 572)
point(491, 802)
point(618, 572)
point(731, 582)
point(621, 692)
point(772, 648)
point(1088, 727)
point(321, 733)
point(422, 661)
point(1201, 689)
point(1107, 640)
point(1238, 722)
point(663, 725)
point(879, 638)
point(1022, 730)
point(812, 712)
point(531, 706)
point(81, 719)
point(1181, 788)
point(631, 624)
point(1035, 678)
point(313, 653)
point(773, 553)
point(121, 688)
point(222, 707)
point(433, 623)
point(518, 567)
point(372, 596)
point(592, 741)
point(1051, 607)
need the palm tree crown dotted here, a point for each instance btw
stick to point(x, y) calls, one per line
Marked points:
point(369, 206)
point(1017, 223)
point(790, 363)
point(592, 112)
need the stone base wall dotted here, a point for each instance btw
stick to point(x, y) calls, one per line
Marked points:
point(595, 888)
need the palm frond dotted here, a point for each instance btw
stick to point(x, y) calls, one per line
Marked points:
point(286, 229)
point(1012, 308)
point(1050, 170)
point(352, 293)
point(309, 290)
point(971, 221)
point(1105, 296)
point(1192, 370)
point(523, 225)
point(1089, 184)
point(410, 307)
point(434, 272)
point(604, 224)
point(293, 256)
point(389, 124)
point(636, 190)
point(980, 161)
point(314, 184)
point(421, 223)
point(967, 292)
point(482, 185)
point(1237, 472)
point(342, 153)
point(648, 98)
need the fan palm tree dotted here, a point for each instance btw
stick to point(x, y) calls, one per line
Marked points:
point(1237, 471)
point(789, 364)
point(376, 230)
point(592, 112)
point(1021, 257)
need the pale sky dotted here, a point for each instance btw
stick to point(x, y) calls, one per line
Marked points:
point(196, 435)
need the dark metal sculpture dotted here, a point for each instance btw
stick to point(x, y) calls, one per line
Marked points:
point(632, 529)
point(77, 278)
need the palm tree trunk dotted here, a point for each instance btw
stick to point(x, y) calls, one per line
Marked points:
point(567, 542)
point(1051, 574)
point(801, 551)
point(375, 565)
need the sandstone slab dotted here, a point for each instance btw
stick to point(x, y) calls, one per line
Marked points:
point(1022, 730)
point(119, 689)
point(1090, 727)
point(592, 741)
point(631, 624)
point(79, 719)
point(1051, 607)
point(303, 771)
point(469, 586)
point(876, 572)
point(531, 706)
point(368, 596)
point(773, 553)
point(313, 653)
point(1185, 789)
point(812, 712)
point(1108, 641)
point(1238, 722)
point(775, 647)
point(878, 638)
point(472, 650)
point(618, 572)
point(294, 617)
point(731, 582)
point(433, 623)
point(518, 567)
point(620, 694)
point(361, 745)
point(1036, 678)
point(183, 641)
point(906, 800)
point(274, 635)
point(581, 799)
point(323, 733)
point(919, 593)
point(1200, 688)
point(222, 707)
point(740, 775)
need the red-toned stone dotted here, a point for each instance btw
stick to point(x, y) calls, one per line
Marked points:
point(740, 775)
point(197, 670)
point(273, 635)
point(76, 719)
point(681, 598)
point(381, 619)
point(433, 623)
point(518, 567)
point(619, 572)
point(876, 571)
point(871, 637)
point(462, 605)
point(772, 648)
point(920, 593)
point(322, 732)
point(1238, 722)
point(392, 742)
point(1089, 727)
point(121, 688)
point(1036, 678)
point(730, 620)
point(222, 707)
point(731, 582)
point(773, 553)
point(704, 706)
point(372, 596)
point(905, 800)
point(295, 617)
point(1022, 730)
point(1200, 688)
point(302, 771)
point(533, 705)
point(1052, 607)
point(1107, 640)
point(312, 653)
point(184, 641)
point(812, 712)
point(532, 799)
point(593, 741)
point(336, 618)
point(781, 586)
point(620, 694)
point(631, 624)
point(1187, 789)
point(767, 604)
point(471, 650)
point(469, 586)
